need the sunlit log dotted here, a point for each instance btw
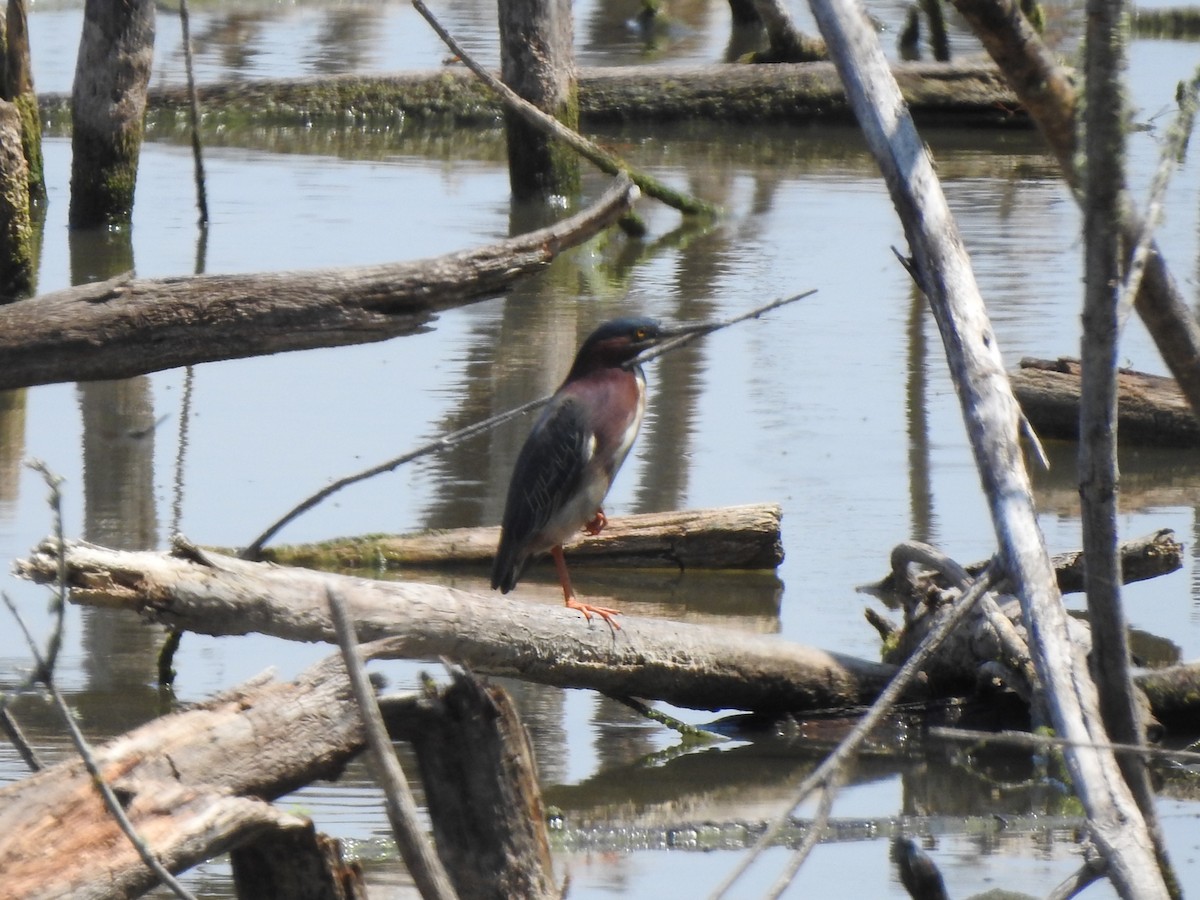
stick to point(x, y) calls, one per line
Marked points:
point(128, 326)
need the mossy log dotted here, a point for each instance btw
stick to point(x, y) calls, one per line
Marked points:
point(735, 537)
point(1178, 22)
point(967, 94)
point(1151, 409)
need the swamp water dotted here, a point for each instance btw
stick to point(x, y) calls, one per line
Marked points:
point(838, 407)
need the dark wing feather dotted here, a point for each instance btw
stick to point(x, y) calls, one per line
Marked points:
point(549, 470)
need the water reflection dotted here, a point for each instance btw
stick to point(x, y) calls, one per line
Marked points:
point(120, 508)
point(12, 448)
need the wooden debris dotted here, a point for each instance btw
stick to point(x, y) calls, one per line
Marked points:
point(193, 784)
point(736, 537)
point(1151, 409)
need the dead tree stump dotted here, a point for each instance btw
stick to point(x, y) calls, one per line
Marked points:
point(482, 792)
point(537, 60)
point(108, 106)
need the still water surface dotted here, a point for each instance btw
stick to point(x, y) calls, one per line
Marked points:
point(839, 408)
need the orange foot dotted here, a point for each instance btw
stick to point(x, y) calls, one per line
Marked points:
point(597, 524)
point(602, 611)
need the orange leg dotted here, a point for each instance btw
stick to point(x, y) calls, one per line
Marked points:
point(597, 524)
point(569, 593)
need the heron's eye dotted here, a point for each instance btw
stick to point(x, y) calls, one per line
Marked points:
point(640, 333)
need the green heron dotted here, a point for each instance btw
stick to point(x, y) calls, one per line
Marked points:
point(572, 454)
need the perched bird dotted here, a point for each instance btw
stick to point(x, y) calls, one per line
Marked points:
point(576, 446)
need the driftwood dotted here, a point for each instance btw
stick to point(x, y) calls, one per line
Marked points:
point(736, 537)
point(197, 783)
point(193, 784)
point(960, 94)
point(687, 665)
point(1151, 409)
point(998, 635)
point(128, 326)
point(1155, 554)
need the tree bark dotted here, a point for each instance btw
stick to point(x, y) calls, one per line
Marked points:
point(482, 791)
point(295, 864)
point(18, 88)
point(108, 108)
point(128, 326)
point(737, 537)
point(1151, 410)
point(16, 225)
point(537, 60)
point(1104, 178)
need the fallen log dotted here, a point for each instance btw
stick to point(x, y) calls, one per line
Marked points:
point(129, 326)
point(687, 665)
point(193, 784)
point(971, 94)
point(1151, 409)
point(734, 537)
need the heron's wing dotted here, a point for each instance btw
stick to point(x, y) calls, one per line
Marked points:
point(549, 470)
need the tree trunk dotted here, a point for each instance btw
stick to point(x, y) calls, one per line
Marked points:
point(537, 60)
point(481, 788)
point(108, 107)
point(942, 270)
point(16, 225)
point(18, 82)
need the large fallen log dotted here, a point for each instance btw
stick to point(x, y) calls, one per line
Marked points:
point(687, 665)
point(732, 537)
point(969, 94)
point(129, 326)
point(1151, 409)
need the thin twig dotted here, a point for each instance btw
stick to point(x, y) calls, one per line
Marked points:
point(811, 836)
point(605, 161)
point(422, 862)
point(445, 442)
point(454, 438)
point(194, 107)
point(59, 607)
point(667, 721)
point(828, 769)
point(704, 330)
